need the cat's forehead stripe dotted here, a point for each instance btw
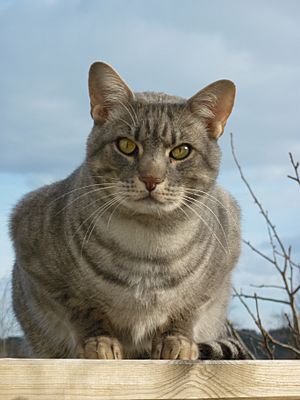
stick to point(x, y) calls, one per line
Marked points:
point(155, 121)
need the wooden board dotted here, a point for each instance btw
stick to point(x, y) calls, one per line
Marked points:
point(22, 379)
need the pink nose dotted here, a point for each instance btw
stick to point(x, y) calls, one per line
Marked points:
point(150, 182)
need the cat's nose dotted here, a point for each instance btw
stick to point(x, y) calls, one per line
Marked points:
point(150, 181)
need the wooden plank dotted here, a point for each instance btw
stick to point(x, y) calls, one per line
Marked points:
point(22, 379)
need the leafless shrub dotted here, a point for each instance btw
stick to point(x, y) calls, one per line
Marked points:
point(287, 270)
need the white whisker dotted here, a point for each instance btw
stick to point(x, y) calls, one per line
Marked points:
point(199, 204)
point(133, 111)
point(125, 122)
point(131, 116)
point(86, 219)
point(79, 188)
point(180, 208)
point(212, 198)
point(83, 195)
point(100, 212)
point(206, 224)
point(112, 213)
point(106, 177)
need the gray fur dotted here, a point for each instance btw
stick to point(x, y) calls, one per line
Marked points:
point(132, 270)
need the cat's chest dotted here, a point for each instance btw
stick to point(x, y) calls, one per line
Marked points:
point(148, 241)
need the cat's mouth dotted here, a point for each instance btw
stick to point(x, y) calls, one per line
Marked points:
point(151, 203)
point(149, 199)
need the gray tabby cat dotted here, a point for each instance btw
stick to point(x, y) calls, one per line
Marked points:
point(131, 255)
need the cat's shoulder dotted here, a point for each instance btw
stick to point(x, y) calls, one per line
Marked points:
point(34, 202)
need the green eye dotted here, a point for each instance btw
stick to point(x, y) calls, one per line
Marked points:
point(180, 152)
point(126, 146)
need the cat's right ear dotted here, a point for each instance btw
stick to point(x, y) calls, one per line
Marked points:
point(107, 90)
point(214, 103)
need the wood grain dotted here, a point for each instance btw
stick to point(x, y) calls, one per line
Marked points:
point(22, 379)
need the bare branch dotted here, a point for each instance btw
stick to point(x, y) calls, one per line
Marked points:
point(249, 296)
point(263, 331)
point(286, 270)
point(238, 338)
point(283, 345)
point(256, 201)
point(295, 166)
point(292, 262)
point(258, 323)
point(258, 252)
point(267, 286)
point(296, 290)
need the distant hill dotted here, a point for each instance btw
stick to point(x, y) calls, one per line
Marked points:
point(8, 323)
point(12, 347)
point(253, 341)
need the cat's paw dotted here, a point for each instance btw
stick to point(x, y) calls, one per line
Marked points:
point(100, 347)
point(174, 347)
point(225, 349)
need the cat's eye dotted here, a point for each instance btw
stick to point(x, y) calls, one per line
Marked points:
point(180, 152)
point(126, 146)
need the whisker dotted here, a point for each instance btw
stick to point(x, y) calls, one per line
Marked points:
point(96, 200)
point(106, 177)
point(79, 188)
point(86, 219)
point(93, 223)
point(126, 108)
point(125, 122)
point(206, 224)
point(184, 212)
point(102, 210)
point(85, 194)
point(213, 198)
point(111, 215)
point(133, 111)
point(199, 204)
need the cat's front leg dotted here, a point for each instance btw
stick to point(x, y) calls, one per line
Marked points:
point(100, 347)
point(174, 346)
point(179, 347)
point(97, 338)
point(175, 341)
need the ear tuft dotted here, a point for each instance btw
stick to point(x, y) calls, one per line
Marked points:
point(107, 90)
point(214, 103)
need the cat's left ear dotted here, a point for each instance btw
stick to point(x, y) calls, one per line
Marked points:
point(214, 103)
point(107, 91)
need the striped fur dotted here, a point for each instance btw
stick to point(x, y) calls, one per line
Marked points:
point(97, 267)
point(226, 349)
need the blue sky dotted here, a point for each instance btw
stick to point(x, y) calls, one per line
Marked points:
point(47, 46)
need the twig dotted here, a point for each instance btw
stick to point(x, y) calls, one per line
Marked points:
point(237, 337)
point(257, 323)
point(267, 286)
point(295, 166)
point(265, 334)
point(263, 331)
point(285, 253)
point(258, 252)
point(256, 201)
point(249, 296)
point(292, 262)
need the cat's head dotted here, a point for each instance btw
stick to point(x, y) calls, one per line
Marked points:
point(154, 152)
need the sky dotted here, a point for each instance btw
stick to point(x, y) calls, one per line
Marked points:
point(170, 46)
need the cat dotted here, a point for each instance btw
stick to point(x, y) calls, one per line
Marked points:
point(131, 255)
